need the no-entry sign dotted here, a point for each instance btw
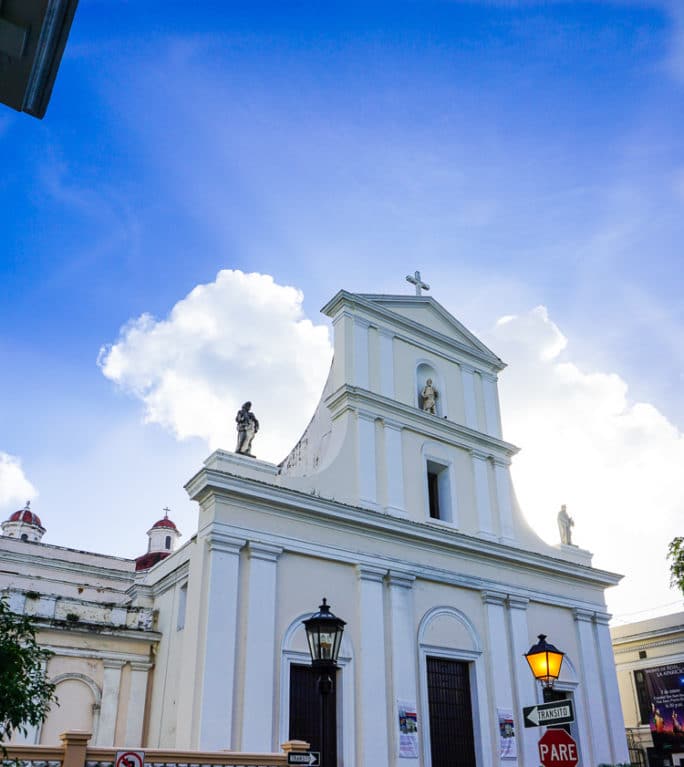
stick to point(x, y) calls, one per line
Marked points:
point(558, 749)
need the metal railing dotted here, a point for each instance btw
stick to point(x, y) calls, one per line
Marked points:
point(75, 753)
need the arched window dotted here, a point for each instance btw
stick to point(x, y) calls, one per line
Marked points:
point(168, 542)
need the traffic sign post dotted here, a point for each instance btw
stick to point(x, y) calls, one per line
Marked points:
point(558, 749)
point(310, 758)
point(549, 714)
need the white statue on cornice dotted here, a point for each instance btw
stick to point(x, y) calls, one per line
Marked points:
point(565, 525)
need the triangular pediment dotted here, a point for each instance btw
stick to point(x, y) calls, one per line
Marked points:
point(428, 313)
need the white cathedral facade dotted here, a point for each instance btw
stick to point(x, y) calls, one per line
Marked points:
point(404, 519)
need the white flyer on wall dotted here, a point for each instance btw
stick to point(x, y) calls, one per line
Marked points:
point(408, 729)
point(507, 744)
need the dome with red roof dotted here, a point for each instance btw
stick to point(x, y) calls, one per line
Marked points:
point(27, 516)
point(23, 524)
point(162, 539)
point(166, 522)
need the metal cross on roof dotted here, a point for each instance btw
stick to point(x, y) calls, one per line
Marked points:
point(166, 511)
point(416, 280)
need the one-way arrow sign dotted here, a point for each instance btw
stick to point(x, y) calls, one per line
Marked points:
point(548, 714)
point(310, 758)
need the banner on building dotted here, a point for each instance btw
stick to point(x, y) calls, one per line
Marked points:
point(665, 686)
point(408, 729)
point(507, 744)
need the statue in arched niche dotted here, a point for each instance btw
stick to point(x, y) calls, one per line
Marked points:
point(428, 398)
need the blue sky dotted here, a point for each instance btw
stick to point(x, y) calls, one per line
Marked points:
point(518, 153)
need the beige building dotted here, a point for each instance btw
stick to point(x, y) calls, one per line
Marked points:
point(397, 505)
point(649, 658)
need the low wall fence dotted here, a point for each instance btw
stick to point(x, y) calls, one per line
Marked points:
point(75, 752)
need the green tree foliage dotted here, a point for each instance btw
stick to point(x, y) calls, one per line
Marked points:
point(675, 553)
point(25, 693)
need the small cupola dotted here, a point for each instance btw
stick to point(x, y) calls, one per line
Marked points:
point(162, 541)
point(24, 524)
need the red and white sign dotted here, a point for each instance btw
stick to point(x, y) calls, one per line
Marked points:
point(130, 759)
point(558, 749)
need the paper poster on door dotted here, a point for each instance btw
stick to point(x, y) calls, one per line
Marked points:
point(408, 729)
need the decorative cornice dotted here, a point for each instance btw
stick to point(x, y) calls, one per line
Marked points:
point(274, 499)
point(390, 423)
point(646, 645)
point(107, 656)
point(139, 665)
point(400, 580)
point(493, 598)
point(115, 663)
point(482, 455)
point(583, 616)
point(353, 398)
point(221, 542)
point(370, 573)
point(263, 551)
point(517, 603)
point(176, 576)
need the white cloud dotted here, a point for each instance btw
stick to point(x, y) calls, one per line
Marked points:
point(242, 337)
point(615, 463)
point(14, 486)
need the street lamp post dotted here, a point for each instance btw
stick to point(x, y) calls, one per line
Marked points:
point(324, 635)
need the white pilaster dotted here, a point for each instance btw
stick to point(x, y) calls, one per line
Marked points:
point(469, 400)
point(499, 661)
point(218, 670)
point(260, 649)
point(135, 713)
point(524, 685)
point(109, 705)
point(595, 706)
point(505, 502)
point(366, 460)
point(361, 378)
point(613, 707)
point(483, 500)
point(386, 363)
point(403, 663)
point(373, 743)
point(491, 403)
point(394, 468)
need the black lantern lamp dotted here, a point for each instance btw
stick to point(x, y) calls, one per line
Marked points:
point(324, 634)
point(545, 661)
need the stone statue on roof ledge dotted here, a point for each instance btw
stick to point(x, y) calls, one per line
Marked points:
point(247, 427)
point(565, 525)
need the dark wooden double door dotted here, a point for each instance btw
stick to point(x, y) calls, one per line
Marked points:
point(451, 714)
point(305, 713)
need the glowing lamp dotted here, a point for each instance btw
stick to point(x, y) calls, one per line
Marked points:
point(545, 661)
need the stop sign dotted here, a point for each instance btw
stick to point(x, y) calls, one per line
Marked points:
point(558, 749)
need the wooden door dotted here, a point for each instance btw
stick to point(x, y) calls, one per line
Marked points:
point(305, 713)
point(451, 716)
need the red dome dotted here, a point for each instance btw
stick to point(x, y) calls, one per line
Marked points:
point(166, 522)
point(27, 516)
